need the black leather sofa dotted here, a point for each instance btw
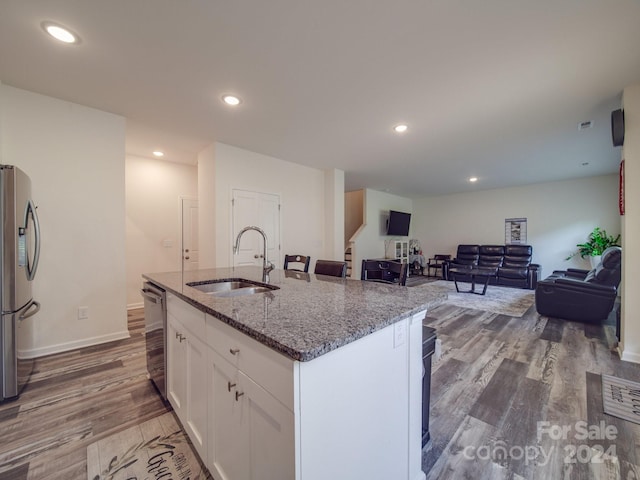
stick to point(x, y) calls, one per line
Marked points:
point(512, 263)
point(582, 295)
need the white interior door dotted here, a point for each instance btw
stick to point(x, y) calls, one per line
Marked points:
point(190, 253)
point(261, 210)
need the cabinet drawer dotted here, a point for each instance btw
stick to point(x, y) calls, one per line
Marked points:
point(190, 317)
point(269, 369)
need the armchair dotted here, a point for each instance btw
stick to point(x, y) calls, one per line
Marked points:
point(582, 295)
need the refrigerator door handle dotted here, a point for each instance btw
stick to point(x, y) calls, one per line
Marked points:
point(32, 266)
point(29, 311)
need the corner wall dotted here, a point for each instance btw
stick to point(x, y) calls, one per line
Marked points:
point(222, 168)
point(154, 189)
point(75, 158)
point(207, 207)
point(372, 239)
point(334, 214)
point(630, 342)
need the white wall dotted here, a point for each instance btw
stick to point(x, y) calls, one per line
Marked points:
point(630, 342)
point(559, 216)
point(154, 189)
point(371, 240)
point(75, 158)
point(223, 168)
point(207, 207)
point(334, 214)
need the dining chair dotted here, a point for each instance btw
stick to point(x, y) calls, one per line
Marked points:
point(384, 271)
point(331, 267)
point(301, 259)
point(435, 263)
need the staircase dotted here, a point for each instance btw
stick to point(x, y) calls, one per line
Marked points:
point(347, 258)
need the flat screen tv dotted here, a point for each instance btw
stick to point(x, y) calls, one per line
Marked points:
point(398, 223)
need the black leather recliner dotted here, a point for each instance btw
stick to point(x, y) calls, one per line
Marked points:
point(582, 295)
point(516, 269)
point(512, 263)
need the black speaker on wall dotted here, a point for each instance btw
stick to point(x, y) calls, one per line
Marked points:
point(617, 127)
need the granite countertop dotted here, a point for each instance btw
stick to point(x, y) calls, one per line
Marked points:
point(309, 315)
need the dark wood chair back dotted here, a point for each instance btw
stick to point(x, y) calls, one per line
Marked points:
point(384, 271)
point(436, 263)
point(372, 270)
point(301, 259)
point(331, 267)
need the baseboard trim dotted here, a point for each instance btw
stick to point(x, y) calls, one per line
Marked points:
point(420, 476)
point(65, 347)
point(628, 356)
point(133, 306)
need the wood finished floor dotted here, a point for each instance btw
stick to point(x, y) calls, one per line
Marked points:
point(498, 376)
point(74, 399)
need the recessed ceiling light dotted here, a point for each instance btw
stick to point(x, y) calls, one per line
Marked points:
point(400, 128)
point(158, 153)
point(60, 33)
point(473, 179)
point(231, 100)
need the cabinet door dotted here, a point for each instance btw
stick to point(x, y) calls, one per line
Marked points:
point(269, 427)
point(195, 420)
point(176, 366)
point(228, 458)
point(251, 433)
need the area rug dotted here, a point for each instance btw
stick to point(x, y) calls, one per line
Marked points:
point(513, 302)
point(157, 448)
point(621, 398)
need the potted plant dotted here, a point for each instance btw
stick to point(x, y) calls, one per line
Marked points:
point(597, 243)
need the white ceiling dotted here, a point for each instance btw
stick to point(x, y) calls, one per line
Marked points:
point(491, 88)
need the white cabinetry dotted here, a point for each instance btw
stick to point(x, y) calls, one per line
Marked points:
point(186, 365)
point(251, 432)
point(255, 414)
point(176, 366)
point(402, 250)
point(398, 249)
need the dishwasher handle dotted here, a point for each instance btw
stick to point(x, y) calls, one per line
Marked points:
point(151, 295)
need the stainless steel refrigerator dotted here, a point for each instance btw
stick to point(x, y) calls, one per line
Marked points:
point(20, 251)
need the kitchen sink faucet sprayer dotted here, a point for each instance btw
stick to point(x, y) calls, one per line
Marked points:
point(267, 266)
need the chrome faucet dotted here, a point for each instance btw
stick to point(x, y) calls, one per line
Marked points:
point(267, 266)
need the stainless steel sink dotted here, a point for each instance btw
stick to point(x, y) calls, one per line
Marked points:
point(231, 287)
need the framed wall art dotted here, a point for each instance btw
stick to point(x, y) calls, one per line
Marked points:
point(515, 231)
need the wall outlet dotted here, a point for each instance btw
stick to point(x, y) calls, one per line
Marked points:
point(83, 313)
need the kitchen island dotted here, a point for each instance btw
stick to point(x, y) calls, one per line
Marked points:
point(319, 378)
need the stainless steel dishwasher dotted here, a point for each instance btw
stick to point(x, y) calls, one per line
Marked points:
point(155, 327)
